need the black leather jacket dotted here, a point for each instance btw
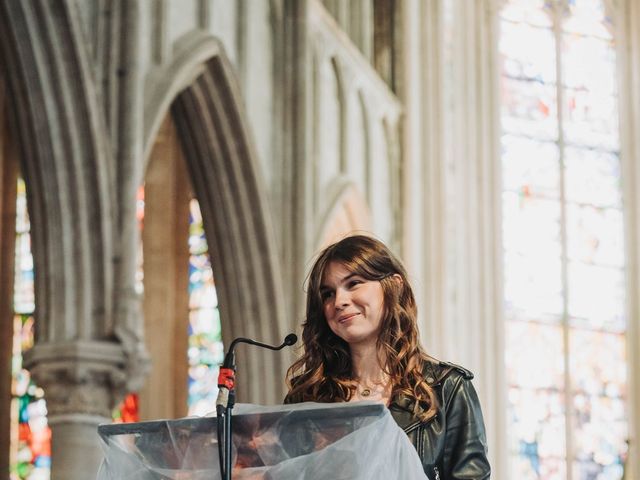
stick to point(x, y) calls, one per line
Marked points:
point(452, 445)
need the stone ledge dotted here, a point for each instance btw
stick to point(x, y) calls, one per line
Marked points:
point(78, 350)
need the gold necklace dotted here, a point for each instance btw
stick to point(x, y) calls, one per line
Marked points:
point(365, 392)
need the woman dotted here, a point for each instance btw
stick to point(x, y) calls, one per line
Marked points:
point(360, 341)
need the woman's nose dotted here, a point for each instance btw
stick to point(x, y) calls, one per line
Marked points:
point(342, 298)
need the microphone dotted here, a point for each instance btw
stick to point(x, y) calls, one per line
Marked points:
point(226, 377)
point(289, 340)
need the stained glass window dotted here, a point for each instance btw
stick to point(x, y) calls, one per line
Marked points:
point(128, 410)
point(563, 241)
point(206, 351)
point(30, 451)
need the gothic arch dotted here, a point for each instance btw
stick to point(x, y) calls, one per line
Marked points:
point(65, 162)
point(348, 213)
point(204, 99)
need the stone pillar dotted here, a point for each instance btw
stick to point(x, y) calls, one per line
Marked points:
point(83, 381)
point(627, 21)
point(8, 177)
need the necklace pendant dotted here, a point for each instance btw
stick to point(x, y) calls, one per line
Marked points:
point(365, 392)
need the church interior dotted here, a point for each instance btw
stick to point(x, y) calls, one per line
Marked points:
point(170, 168)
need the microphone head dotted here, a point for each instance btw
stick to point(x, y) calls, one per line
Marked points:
point(290, 339)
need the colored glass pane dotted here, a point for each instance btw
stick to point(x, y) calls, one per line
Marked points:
point(536, 418)
point(531, 225)
point(139, 282)
point(530, 166)
point(595, 235)
point(529, 109)
point(532, 286)
point(531, 231)
point(592, 177)
point(128, 410)
point(205, 350)
point(601, 428)
point(528, 52)
point(535, 353)
point(529, 74)
point(596, 296)
point(30, 450)
point(587, 17)
point(590, 92)
point(526, 11)
point(590, 375)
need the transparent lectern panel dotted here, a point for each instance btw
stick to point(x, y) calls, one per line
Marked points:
point(305, 441)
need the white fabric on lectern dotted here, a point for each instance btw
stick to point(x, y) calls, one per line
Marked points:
point(308, 441)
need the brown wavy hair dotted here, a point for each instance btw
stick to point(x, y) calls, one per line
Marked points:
point(324, 371)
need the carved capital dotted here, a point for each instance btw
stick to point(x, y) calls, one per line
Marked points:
point(80, 377)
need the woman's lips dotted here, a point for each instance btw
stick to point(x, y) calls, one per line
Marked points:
point(347, 317)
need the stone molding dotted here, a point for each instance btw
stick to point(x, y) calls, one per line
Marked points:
point(81, 377)
point(627, 19)
point(65, 158)
point(163, 84)
point(215, 135)
point(368, 116)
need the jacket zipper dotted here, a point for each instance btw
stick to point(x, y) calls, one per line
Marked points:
point(435, 470)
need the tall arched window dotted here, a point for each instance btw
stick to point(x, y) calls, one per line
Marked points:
point(30, 455)
point(206, 351)
point(204, 347)
point(563, 239)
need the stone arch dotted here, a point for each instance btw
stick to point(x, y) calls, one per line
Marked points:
point(66, 165)
point(66, 161)
point(203, 97)
point(348, 213)
point(341, 91)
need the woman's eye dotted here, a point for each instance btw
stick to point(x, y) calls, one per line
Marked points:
point(326, 295)
point(354, 283)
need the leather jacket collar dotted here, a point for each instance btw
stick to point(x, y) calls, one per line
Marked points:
point(452, 444)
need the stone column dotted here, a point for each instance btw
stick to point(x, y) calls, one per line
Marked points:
point(83, 381)
point(627, 22)
point(8, 177)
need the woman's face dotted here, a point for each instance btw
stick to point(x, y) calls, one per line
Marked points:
point(353, 306)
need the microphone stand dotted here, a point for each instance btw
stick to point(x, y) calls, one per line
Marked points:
point(227, 398)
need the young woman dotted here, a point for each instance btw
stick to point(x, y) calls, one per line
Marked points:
point(360, 341)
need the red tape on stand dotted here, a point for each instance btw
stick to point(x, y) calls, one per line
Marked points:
point(226, 378)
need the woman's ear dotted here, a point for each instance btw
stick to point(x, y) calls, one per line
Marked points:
point(398, 279)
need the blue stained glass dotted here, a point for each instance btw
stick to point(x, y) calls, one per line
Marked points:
point(205, 350)
point(601, 430)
